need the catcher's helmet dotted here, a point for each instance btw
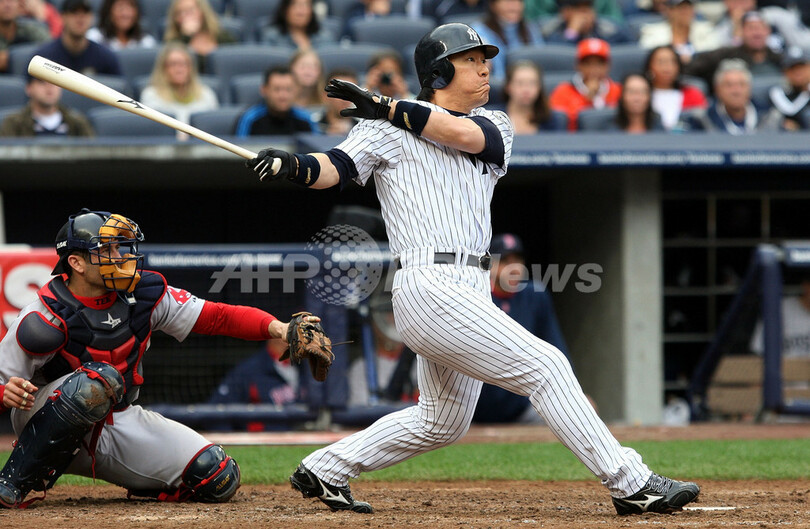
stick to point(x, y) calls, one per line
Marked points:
point(112, 242)
point(431, 56)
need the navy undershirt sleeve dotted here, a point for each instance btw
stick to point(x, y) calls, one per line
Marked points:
point(493, 142)
point(344, 165)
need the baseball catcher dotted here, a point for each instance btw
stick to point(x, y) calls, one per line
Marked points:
point(71, 368)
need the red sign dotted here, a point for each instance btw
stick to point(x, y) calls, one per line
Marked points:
point(22, 273)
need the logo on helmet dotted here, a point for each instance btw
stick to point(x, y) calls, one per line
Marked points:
point(473, 35)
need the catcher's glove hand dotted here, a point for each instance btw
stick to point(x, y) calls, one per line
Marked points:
point(367, 104)
point(308, 340)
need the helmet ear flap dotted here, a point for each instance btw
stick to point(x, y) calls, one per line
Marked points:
point(442, 74)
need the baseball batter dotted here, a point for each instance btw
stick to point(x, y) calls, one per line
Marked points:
point(70, 370)
point(436, 162)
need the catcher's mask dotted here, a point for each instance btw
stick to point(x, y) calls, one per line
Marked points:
point(110, 239)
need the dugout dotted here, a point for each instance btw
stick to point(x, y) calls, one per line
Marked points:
point(637, 206)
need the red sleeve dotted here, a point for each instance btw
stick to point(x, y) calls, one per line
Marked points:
point(693, 97)
point(2, 390)
point(237, 321)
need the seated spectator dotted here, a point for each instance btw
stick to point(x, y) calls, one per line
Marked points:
point(276, 114)
point(754, 50)
point(444, 9)
point(364, 9)
point(792, 98)
point(526, 101)
point(505, 26)
point(119, 26)
point(670, 96)
point(577, 21)
point(307, 69)
point(331, 122)
point(195, 24)
point(16, 30)
point(44, 115)
point(296, 26)
point(385, 76)
point(73, 49)
point(687, 35)
point(732, 112)
point(543, 9)
point(634, 113)
point(590, 86)
point(175, 87)
point(43, 12)
point(787, 28)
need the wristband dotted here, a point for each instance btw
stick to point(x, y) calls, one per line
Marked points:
point(411, 116)
point(308, 170)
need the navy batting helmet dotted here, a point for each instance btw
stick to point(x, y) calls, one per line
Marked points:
point(431, 56)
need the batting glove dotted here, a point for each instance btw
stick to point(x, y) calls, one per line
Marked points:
point(367, 104)
point(263, 163)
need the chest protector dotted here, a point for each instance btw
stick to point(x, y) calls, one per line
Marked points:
point(118, 335)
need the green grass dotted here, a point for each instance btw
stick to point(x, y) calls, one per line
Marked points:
point(719, 460)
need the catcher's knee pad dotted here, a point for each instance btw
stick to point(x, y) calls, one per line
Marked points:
point(90, 392)
point(212, 475)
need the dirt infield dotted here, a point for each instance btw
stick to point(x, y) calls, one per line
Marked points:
point(445, 505)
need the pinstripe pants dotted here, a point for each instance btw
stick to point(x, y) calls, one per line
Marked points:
point(445, 314)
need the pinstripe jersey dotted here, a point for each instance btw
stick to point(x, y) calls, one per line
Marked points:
point(431, 196)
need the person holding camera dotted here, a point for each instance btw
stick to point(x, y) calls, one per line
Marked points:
point(384, 76)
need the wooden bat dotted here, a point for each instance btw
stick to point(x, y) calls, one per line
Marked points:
point(53, 72)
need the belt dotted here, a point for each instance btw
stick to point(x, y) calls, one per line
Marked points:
point(484, 262)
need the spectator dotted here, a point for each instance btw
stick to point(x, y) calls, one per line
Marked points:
point(43, 12)
point(545, 9)
point(364, 9)
point(445, 10)
point(634, 113)
point(670, 96)
point(590, 86)
point(385, 76)
point(687, 35)
point(16, 30)
point(505, 26)
point(754, 50)
point(73, 49)
point(44, 115)
point(194, 23)
point(296, 26)
point(307, 69)
point(732, 112)
point(792, 99)
point(331, 122)
point(175, 87)
point(119, 26)
point(795, 325)
point(787, 28)
point(276, 114)
point(526, 101)
point(577, 21)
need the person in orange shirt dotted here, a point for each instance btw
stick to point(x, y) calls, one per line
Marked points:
point(590, 86)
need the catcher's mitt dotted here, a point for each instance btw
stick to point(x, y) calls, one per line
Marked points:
point(308, 340)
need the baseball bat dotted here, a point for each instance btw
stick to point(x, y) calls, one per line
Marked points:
point(53, 72)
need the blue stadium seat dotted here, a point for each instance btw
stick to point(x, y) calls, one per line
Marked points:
point(19, 55)
point(153, 13)
point(136, 62)
point(83, 104)
point(339, 8)
point(761, 85)
point(463, 18)
point(12, 91)
point(596, 119)
point(245, 88)
point(108, 121)
point(228, 61)
point(220, 122)
point(626, 59)
point(355, 56)
point(553, 79)
point(551, 57)
point(255, 13)
point(397, 31)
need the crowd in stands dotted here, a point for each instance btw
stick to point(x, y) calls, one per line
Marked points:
point(634, 66)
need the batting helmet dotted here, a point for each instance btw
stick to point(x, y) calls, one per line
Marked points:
point(112, 242)
point(431, 56)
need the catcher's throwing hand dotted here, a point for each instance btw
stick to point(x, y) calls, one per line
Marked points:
point(19, 393)
point(307, 339)
point(262, 164)
point(367, 105)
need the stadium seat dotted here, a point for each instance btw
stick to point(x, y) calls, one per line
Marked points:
point(108, 121)
point(397, 31)
point(355, 56)
point(254, 13)
point(761, 85)
point(407, 56)
point(560, 120)
point(635, 22)
point(228, 61)
point(496, 99)
point(136, 62)
point(551, 58)
point(596, 119)
point(12, 91)
point(463, 18)
point(220, 122)
point(19, 55)
point(552, 80)
point(339, 8)
point(153, 13)
point(626, 59)
point(245, 89)
point(7, 111)
point(83, 104)
point(697, 82)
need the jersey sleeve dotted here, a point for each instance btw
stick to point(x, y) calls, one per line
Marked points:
point(176, 313)
point(14, 361)
point(504, 126)
point(372, 144)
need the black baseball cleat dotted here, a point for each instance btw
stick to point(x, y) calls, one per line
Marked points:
point(336, 498)
point(10, 495)
point(660, 494)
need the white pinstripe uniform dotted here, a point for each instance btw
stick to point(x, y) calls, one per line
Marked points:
point(436, 199)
